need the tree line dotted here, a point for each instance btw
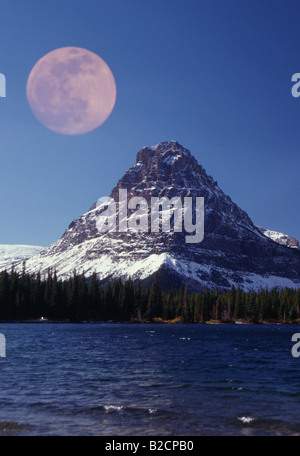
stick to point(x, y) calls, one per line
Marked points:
point(25, 296)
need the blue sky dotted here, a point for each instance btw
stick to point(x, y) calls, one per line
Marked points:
point(214, 75)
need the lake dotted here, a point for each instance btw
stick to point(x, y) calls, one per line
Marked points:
point(117, 379)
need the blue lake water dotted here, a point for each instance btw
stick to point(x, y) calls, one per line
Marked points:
point(142, 379)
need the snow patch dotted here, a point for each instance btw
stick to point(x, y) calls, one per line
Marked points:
point(16, 253)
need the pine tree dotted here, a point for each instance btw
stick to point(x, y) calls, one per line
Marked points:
point(14, 295)
point(154, 302)
point(73, 297)
point(109, 305)
point(127, 301)
point(53, 297)
point(239, 309)
point(93, 301)
point(252, 309)
point(215, 308)
point(205, 306)
point(82, 312)
point(138, 301)
point(231, 303)
point(37, 296)
point(197, 309)
point(185, 308)
point(4, 295)
point(169, 306)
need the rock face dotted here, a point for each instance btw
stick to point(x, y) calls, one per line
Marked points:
point(233, 251)
point(281, 238)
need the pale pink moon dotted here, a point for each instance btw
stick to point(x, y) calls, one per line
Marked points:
point(71, 90)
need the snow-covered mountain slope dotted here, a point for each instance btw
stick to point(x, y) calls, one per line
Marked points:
point(233, 251)
point(15, 254)
point(281, 238)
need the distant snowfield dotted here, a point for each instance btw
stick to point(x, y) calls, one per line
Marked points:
point(14, 254)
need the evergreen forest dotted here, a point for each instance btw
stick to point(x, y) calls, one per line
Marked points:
point(28, 297)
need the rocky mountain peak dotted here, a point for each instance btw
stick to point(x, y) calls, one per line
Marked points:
point(170, 170)
point(167, 157)
point(167, 169)
point(233, 250)
point(165, 151)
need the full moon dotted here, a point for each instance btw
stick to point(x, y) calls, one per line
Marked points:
point(71, 91)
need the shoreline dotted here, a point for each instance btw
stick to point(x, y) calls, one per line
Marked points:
point(155, 321)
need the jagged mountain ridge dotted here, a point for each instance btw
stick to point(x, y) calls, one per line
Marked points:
point(280, 238)
point(234, 250)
